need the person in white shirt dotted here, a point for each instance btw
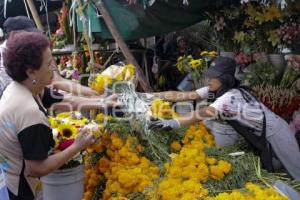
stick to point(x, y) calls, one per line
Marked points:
point(19, 23)
point(266, 132)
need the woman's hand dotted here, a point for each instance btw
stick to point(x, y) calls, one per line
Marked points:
point(84, 139)
point(112, 101)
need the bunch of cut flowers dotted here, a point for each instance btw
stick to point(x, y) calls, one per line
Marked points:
point(65, 128)
point(196, 67)
point(111, 75)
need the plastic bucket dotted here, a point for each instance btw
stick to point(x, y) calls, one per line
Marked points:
point(3, 187)
point(65, 184)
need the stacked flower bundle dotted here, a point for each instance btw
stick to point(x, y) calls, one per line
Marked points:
point(118, 168)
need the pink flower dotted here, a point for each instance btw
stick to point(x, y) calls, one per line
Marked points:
point(65, 144)
point(59, 32)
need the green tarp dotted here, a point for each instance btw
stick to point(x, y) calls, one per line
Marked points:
point(136, 21)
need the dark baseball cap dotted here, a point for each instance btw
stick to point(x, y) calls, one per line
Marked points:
point(221, 65)
point(19, 23)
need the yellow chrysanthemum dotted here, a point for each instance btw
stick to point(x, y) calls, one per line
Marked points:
point(67, 131)
point(176, 146)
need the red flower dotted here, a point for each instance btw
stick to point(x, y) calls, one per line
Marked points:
point(65, 144)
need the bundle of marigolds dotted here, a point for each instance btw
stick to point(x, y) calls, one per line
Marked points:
point(115, 169)
point(103, 80)
point(191, 167)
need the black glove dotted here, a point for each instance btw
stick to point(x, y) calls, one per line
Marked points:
point(165, 124)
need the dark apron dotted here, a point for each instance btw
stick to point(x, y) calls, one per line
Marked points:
point(259, 143)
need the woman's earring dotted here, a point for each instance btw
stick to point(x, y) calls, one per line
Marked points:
point(33, 82)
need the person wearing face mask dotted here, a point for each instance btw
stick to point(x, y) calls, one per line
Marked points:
point(267, 133)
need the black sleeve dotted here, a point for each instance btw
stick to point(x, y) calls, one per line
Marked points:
point(36, 141)
point(50, 97)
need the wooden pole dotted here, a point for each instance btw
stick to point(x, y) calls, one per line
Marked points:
point(35, 15)
point(119, 40)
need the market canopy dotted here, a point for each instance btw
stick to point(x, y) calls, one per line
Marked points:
point(133, 21)
point(17, 7)
point(137, 21)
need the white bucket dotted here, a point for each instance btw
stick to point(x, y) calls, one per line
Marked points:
point(3, 187)
point(65, 184)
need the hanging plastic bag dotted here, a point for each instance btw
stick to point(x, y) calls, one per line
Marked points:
point(3, 187)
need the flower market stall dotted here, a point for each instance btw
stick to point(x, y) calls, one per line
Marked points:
point(128, 160)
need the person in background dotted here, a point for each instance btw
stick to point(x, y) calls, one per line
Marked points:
point(266, 132)
point(168, 70)
point(24, 23)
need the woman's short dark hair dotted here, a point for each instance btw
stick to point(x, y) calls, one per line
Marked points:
point(24, 50)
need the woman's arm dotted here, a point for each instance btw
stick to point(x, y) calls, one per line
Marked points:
point(175, 96)
point(39, 168)
point(186, 120)
point(71, 102)
point(197, 115)
point(71, 86)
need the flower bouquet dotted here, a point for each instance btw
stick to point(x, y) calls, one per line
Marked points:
point(65, 127)
point(196, 67)
point(111, 75)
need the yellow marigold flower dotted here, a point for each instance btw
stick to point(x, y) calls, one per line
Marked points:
point(216, 173)
point(103, 164)
point(67, 131)
point(224, 166)
point(211, 161)
point(176, 146)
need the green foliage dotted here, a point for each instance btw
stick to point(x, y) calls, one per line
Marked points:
point(245, 168)
point(259, 73)
point(136, 196)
